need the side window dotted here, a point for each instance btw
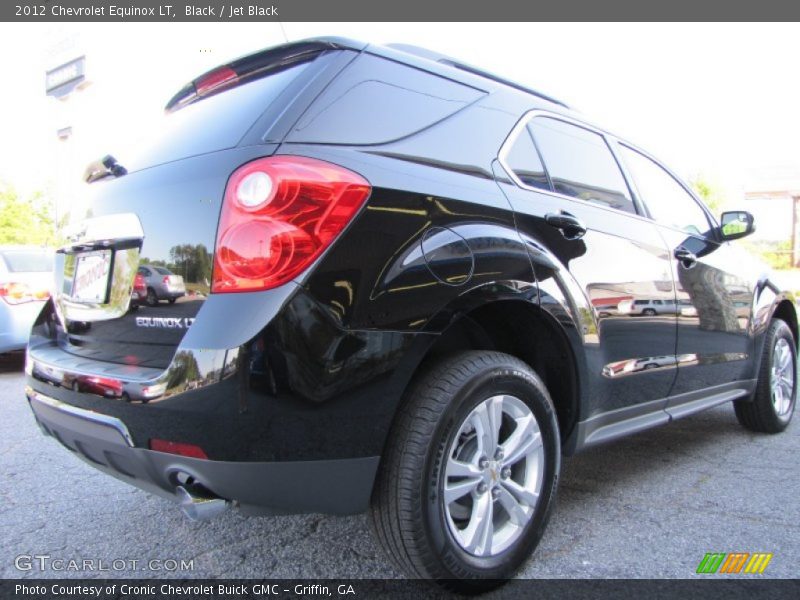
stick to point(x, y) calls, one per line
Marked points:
point(581, 164)
point(143, 272)
point(665, 198)
point(523, 159)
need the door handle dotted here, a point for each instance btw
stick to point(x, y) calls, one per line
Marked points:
point(569, 225)
point(687, 259)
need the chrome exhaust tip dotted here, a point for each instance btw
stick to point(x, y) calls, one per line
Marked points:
point(200, 508)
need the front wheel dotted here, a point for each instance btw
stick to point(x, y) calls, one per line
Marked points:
point(470, 472)
point(772, 405)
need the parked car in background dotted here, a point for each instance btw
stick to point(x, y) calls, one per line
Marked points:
point(161, 284)
point(402, 254)
point(648, 307)
point(26, 274)
point(139, 292)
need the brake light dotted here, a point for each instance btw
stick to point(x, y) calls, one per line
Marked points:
point(178, 448)
point(165, 281)
point(279, 214)
point(19, 293)
point(216, 78)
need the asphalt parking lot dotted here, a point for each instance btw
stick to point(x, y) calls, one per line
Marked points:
point(650, 506)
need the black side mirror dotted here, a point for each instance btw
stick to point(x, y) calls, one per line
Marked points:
point(736, 224)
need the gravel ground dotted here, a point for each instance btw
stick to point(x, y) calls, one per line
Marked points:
point(649, 506)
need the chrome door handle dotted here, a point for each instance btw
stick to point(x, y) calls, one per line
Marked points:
point(687, 259)
point(569, 225)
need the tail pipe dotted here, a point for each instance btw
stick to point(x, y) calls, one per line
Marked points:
point(200, 508)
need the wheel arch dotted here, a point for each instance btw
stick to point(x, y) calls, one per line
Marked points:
point(516, 325)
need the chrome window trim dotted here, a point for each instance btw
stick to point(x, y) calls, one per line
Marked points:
point(81, 413)
point(639, 203)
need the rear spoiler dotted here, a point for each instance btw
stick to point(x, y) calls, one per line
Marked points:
point(248, 67)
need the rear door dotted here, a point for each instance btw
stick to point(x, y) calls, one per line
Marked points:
point(562, 169)
point(714, 344)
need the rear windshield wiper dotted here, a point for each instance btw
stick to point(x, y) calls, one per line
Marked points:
point(102, 168)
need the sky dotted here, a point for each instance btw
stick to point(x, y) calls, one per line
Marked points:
point(715, 100)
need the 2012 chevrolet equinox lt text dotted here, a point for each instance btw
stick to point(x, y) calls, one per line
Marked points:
point(401, 277)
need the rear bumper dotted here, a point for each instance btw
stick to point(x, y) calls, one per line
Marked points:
point(340, 486)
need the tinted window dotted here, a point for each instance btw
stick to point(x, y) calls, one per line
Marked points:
point(580, 164)
point(163, 271)
point(143, 271)
point(213, 123)
point(668, 202)
point(28, 261)
point(524, 161)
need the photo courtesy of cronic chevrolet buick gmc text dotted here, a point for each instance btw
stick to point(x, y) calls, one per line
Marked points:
point(396, 263)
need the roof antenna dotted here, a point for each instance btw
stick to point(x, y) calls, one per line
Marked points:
point(283, 31)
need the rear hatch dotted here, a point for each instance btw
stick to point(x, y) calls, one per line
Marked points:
point(164, 211)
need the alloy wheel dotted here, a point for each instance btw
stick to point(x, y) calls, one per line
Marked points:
point(493, 475)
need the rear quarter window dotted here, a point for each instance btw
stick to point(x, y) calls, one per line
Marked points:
point(375, 100)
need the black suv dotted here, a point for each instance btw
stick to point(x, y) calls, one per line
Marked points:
point(405, 276)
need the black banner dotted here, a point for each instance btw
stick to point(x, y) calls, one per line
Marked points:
point(357, 589)
point(408, 10)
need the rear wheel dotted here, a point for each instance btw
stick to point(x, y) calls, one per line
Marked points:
point(151, 299)
point(772, 404)
point(649, 312)
point(470, 472)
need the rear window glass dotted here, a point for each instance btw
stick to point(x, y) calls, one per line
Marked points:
point(214, 123)
point(163, 271)
point(21, 261)
point(581, 164)
point(524, 160)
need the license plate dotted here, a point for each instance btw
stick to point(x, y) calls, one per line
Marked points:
point(91, 277)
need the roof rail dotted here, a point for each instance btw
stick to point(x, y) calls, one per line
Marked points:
point(451, 62)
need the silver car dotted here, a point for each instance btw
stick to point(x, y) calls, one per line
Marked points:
point(162, 284)
point(26, 274)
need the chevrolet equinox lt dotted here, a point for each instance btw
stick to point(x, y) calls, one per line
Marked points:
point(394, 265)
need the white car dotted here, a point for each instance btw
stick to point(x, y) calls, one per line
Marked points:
point(648, 307)
point(26, 274)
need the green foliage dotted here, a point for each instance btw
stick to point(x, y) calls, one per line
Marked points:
point(777, 255)
point(25, 220)
point(709, 194)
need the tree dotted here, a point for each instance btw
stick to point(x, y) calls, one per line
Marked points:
point(709, 193)
point(25, 221)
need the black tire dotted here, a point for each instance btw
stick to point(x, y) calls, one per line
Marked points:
point(759, 413)
point(649, 312)
point(172, 300)
point(152, 299)
point(407, 512)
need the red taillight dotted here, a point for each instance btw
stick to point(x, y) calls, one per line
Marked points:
point(210, 81)
point(278, 215)
point(178, 448)
point(165, 281)
point(105, 382)
point(19, 293)
point(138, 281)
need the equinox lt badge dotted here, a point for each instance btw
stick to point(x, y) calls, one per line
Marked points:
point(165, 322)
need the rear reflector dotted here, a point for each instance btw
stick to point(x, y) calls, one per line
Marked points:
point(279, 214)
point(178, 448)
